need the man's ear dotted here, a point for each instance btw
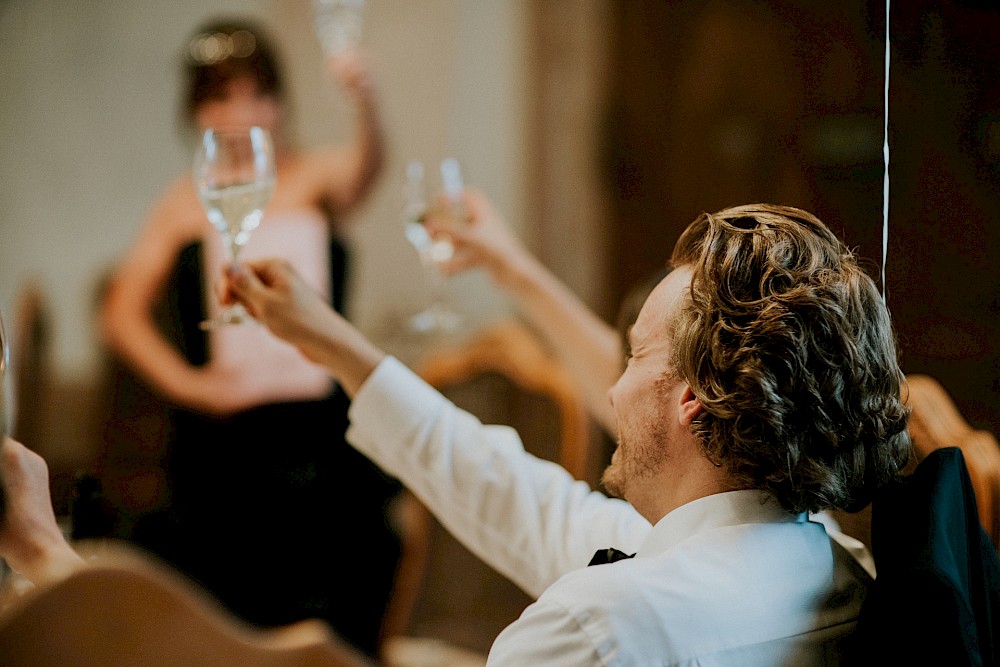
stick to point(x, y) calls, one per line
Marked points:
point(690, 407)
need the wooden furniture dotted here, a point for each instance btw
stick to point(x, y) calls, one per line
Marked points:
point(444, 594)
point(124, 609)
point(936, 598)
point(935, 422)
point(30, 364)
point(125, 479)
point(38, 397)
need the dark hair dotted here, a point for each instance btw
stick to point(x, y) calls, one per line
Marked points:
point(787, 344)
point(223, 49)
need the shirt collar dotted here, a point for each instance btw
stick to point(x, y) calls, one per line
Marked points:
point(719, 510)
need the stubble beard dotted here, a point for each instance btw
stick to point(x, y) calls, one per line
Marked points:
point(641, 450)
point(636, 458)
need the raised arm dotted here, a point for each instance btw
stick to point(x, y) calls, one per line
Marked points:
point(525, 516)
point(586, 345)
point(348, 172)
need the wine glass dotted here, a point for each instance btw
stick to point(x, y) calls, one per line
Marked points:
point(234, 174)
point(5, 570)
point(438, 316)
point(4, 360)
point(338, 24)
point(4, 350)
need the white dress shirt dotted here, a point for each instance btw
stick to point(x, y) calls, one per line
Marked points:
point(729, 579)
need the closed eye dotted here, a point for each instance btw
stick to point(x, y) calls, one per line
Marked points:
point(627, 346)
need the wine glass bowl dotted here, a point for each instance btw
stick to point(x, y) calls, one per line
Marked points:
point(415, 211)
point(434, 250)
point(449, 209)
point(234, 174)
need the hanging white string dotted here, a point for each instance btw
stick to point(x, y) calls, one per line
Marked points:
point(885, 157)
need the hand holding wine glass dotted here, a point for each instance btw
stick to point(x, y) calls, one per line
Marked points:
point(434, 249)
point(486, 241)
point(234, 173)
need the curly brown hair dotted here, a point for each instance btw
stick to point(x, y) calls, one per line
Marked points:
point(788, 345)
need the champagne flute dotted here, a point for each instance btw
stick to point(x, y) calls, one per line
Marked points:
point(338, 24)
point(5, 570)
point(234, 174)
point(4, 351)
point(4, 360)
point(437, 317)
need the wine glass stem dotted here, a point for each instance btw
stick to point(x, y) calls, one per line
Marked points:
point(439, 285)
point(234, 251)
point(234, 310)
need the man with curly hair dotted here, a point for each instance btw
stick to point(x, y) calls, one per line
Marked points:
point(762, 384)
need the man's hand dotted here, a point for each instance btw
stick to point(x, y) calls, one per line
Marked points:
point(274, 294)
point(482, 240)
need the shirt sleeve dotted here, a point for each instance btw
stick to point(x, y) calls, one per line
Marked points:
point(545, 634)
point(526, 517)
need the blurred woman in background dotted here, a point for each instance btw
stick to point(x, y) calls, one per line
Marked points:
point(257, 458)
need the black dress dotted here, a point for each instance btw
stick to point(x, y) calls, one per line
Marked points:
point(269, 503)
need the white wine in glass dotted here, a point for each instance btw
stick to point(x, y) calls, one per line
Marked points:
point(437, 317)
point(234, 174)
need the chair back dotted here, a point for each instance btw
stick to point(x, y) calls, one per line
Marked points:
point(126, 610)
point(936, 599)
point(127, 480)
point(502, 375)
point(935, 423)
point(30, 364)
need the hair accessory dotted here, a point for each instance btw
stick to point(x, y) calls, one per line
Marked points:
point(210, 48)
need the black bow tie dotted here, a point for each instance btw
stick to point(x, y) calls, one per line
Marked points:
point(608, 556)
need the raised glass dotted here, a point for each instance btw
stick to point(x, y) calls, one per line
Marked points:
point(338, 24)
point(438, 316)
point(234, 174)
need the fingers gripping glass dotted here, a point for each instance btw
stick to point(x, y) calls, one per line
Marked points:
point(234, 174)
point(438, 316)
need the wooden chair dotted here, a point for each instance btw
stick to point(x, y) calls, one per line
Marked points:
point(36, 394)
point(936, 423)
point(125, 610)
point(936, 598)
point(127, 479)
point(30, 364)
point(444, 595)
